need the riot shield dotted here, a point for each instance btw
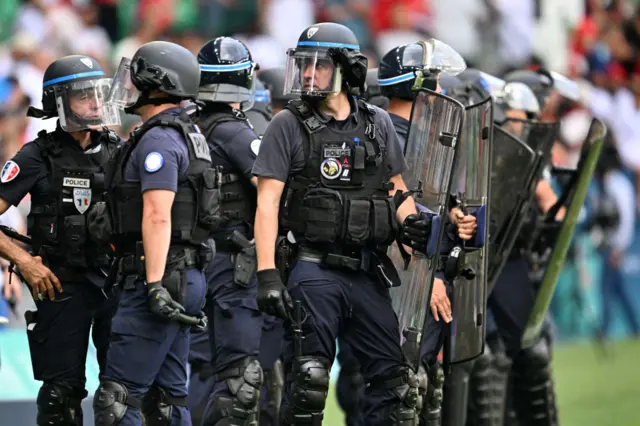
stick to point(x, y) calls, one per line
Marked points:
point(434, 130)
point(471, 184)
point(572, 197)
point(512, 169)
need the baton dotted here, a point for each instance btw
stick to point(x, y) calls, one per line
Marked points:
point(12, 233)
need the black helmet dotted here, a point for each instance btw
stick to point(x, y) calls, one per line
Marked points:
point(74, 89)
point(226, 71)
point(260, 112)
point(273, 79)
point(373, 94)
point(156, 66)
point(326, 58)
point(398, 67)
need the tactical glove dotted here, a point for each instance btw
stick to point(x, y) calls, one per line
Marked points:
point(416, 231)
point(273, 297)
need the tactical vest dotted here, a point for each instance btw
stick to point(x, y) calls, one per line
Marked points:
point(195, 210)
point(57, 221)
point(340, 200)
point(237, 195)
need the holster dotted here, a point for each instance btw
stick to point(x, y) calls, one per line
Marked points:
point(285, 257)
point(245, 266)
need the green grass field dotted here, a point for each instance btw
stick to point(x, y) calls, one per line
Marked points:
point(593, 390)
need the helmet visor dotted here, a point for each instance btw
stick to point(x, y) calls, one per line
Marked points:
point(82, 105)
point(566, 87)
point(311, 73)
point(518, 96)
point(225, 92)
point(123, 92)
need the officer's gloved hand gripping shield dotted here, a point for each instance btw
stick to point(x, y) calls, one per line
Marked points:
point(434, 131)
point(82, 103)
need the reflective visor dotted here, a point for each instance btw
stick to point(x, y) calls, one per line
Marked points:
point(123, 92)
point(82, 105)
point(518, 96)
point(311, 73)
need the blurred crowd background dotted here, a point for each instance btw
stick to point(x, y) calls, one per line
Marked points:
point(596, 42)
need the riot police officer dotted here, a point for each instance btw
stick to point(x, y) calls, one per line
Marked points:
point(227, 82)
point(273, 79)
point(63, 172)
point(161, 207)
point(334, 164)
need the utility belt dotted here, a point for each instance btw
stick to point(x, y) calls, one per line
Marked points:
point(53, 256)
point(373, 262)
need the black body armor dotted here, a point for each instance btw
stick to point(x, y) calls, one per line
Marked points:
point(195, 210)
point(57, 222)
point(237, 195)
point(341, 197)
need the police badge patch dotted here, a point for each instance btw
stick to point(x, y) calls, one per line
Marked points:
point(81, 199)
point(9, 172)
point(330, 168)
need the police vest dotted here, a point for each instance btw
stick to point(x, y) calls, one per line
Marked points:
point(57, 222)
point(237, 195)
point(341, 197)
point(195, 210)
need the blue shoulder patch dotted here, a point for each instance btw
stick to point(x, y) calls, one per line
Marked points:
point(153, 162)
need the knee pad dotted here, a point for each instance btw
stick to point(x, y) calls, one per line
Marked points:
point(110, 402)
point(309, 390)
point(533, 391)
point(406, 386)
point(157, 406)
point(59, 405)
point(244, 380)
point(431, 412)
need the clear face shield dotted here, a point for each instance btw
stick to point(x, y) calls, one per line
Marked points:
point(428, 58)
point(520, 107)
point(123, 92)
point(83, 105)
point(565, 87)
point(311, 73)
point(230, 93)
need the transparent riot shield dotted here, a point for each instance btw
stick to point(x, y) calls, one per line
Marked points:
point(471, 185)
point(434, 130)
point(572, 197)
point(512, 169)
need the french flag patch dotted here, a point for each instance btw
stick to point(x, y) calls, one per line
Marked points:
point(9, 172)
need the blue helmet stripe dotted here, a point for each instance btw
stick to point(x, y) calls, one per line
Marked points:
point(226, 68)
point(395, 80)
point(73, 77)
point(327, 44)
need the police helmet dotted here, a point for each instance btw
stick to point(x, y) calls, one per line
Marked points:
point(74, 89)
point(273, 78)
point(260, 112)
point(373, 94)
point(540, 82)
point(326, 59)
point(518, 96)
point(449, 83)
point(156, 66)
point(398, 68)
point(226, 72)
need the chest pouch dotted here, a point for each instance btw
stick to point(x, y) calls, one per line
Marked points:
point(322, 211)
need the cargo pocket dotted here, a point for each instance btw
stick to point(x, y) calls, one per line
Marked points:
point(322, 215)
point(358, 222)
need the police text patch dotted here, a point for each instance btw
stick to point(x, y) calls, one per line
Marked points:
point(76, 182)
point(200, 146)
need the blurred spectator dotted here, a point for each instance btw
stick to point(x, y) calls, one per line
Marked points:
point(615, 222)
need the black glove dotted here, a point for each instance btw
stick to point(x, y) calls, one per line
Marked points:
point(273, 297)
point(416, 230)
point(161, 303)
